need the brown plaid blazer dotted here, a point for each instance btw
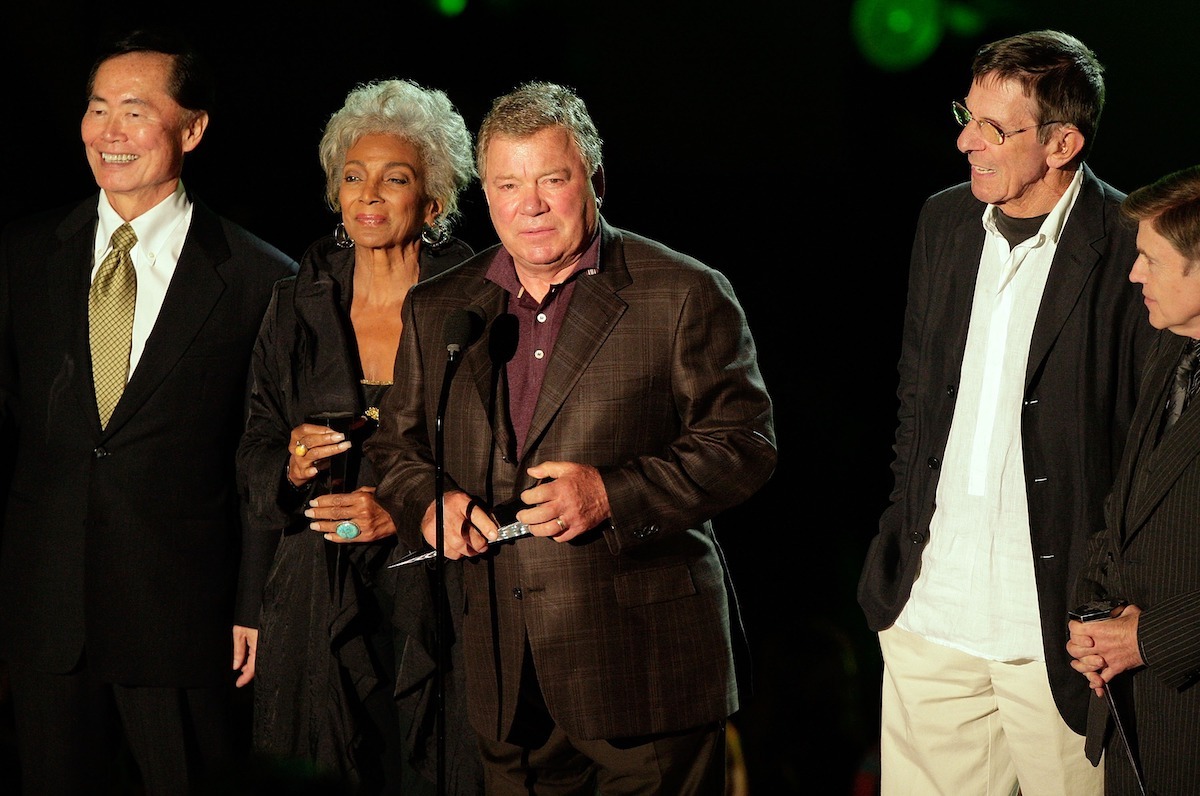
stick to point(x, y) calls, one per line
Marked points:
point(654, 381)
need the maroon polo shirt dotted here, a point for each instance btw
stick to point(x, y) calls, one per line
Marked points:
point(538, 327)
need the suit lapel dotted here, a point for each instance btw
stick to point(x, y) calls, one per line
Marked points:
point(954, 289)
point(1076, 256)
point(71, 266)
point(594, 311)
point(1156, 469)
point(195, 289)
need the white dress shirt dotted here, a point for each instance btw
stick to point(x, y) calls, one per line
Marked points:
point(976, 590)
point(160, 231)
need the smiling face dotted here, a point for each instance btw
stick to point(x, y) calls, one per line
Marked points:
point(135, 134)
point(541, 199)
point(1170, 283)
point(1017, 174)
point(382, 192)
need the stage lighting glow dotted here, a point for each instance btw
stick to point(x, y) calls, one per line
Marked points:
point(897, 34)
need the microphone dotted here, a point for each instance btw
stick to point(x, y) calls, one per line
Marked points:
point(461, 328)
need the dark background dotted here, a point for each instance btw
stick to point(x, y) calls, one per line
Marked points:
point(757, 136)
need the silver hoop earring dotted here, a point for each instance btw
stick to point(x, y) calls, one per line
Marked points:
point(341, 237)
point(435, 235)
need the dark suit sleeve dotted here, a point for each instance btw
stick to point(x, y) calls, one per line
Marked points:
point(1169, 638)
point(261, 458)
point(915, 312)
point(892, 557)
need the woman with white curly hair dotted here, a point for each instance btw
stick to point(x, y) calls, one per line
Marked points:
point(345, 646)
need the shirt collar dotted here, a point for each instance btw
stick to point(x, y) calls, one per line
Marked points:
point(1052, 226)
point(503, 271)
point(153, 228)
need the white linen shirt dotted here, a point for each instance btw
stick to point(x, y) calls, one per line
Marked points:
point(160, 231)
point(976, 591)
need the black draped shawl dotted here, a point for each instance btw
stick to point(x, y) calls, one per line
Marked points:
point(336, 627)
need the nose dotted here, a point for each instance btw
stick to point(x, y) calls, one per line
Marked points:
point(970, 138)
point(369, 193)
point(113, 129)
point(532, 203)
point(1137, 274)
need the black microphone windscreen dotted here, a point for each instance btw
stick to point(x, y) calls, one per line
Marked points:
point(461, 327)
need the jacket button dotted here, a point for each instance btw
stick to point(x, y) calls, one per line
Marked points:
point(916, 537)
point(518, 594)
point(933, 462)
point(951, 389)
point(99, 453)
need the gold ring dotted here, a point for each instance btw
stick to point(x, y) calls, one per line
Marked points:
point(300, 449)
point(562, 526)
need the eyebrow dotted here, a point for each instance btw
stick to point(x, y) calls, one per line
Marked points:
point(391, 164)
point(126, 101)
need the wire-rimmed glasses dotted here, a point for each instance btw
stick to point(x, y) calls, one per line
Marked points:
point(991, 133)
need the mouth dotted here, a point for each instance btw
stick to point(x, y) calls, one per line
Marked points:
point(981, 170)
point(114, 158)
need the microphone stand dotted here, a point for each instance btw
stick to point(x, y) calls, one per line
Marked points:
point(453, 351)
point(1120, 727)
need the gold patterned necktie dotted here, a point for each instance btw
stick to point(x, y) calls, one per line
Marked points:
point(110, 318)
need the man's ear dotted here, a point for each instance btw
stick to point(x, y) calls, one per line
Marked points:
point(193, 131)
point(1068, 143)
point(598, 185)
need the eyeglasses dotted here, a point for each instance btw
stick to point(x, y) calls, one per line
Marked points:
point(991, 132)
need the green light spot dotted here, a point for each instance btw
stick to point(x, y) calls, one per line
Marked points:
point(964, 21)
point(899, 21)
point(451, 8)
point(897, 34)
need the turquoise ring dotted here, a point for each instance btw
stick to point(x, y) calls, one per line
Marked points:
point(347, 530)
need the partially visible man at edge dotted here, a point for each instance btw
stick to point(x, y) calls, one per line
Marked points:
point(1147, 555)
point(121, 534)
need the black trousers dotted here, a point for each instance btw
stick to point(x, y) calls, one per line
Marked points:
point(539, 758)
point(77, 735)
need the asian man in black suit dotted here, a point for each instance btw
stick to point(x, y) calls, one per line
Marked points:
point(119, 554)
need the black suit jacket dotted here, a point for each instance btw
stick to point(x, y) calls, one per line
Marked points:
point(1149, 554)
point(1081, 379)
point(125, 540)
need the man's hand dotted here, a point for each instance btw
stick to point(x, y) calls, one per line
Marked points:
point(1105, 648)
point(245, 651)
point(569, 499)
point(468, 527)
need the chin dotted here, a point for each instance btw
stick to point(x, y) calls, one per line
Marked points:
point(981, 194)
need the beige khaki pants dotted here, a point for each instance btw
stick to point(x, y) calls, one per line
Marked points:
point(957, 725)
